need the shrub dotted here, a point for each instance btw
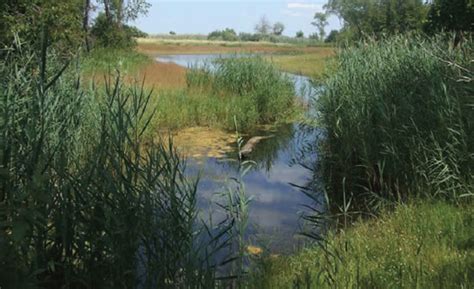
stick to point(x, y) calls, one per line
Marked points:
point(226, 35)
point(109, 34)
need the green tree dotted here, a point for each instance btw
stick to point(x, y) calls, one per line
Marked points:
point(61, 20)
point(299, 34)
point(332, 37)
point(110, 29)
point(456, 16)
point(368, 17)
point(320, 21)
point(278, 28)
point(263, 26)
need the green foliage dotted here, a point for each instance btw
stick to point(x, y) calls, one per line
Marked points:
point(105, 60)
point(320, 21)
point(299, 34)
point(374, 18)
point(85, 200)
point(109, 34)
point(419, 245)
point(278, 28)
point(332, 37)
point(226, 35)
point(265, 94)
point(399, 121)
point(28, 20)
point(451, 16)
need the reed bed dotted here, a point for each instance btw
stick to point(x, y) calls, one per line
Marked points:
point(249, 87)
point(85, 201)
point(399, 123)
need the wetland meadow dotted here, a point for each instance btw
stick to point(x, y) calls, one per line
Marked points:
point(237, 160)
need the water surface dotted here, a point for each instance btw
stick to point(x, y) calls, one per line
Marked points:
point(277, 202)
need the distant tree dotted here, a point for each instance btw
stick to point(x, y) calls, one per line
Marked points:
point(109, 26)
point(278, 28)
point(249, 37)
point(320, 21)
point(263, 26)
point(332, 37)
point(172, 33)
point(299, 34)
point(227, 35)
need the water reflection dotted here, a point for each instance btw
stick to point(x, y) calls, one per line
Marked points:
point(284, 165)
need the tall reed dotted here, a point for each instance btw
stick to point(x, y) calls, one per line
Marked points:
point(85, 202)
point(260, 93)
point(398, 120)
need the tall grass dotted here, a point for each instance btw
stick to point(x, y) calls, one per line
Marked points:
point(418, 245)
point(399, 120)
point(261, 93)
point(85, 202)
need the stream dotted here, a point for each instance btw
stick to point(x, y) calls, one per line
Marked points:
point(280, 165)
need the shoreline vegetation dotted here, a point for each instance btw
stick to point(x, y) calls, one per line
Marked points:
point(93, 193)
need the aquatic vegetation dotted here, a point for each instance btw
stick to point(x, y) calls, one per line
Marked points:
point(398, 121)
point(262, 94)
point(86, 201)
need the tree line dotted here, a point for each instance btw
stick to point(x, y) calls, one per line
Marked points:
point(368, 18)
point(69, 24)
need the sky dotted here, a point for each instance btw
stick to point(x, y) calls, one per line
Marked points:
point(202, 17)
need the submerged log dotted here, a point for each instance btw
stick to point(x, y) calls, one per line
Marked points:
point(250, 145)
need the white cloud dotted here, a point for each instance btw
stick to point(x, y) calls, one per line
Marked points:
point(299, 5)
point(291, 13)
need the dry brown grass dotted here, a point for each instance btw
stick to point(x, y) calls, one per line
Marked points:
point(157, 47)
point(157, 75)
point(162, 75)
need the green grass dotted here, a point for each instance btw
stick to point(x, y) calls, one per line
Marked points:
point(249, 88)
point(419, 245)
point(310, 64)
point(103, 60)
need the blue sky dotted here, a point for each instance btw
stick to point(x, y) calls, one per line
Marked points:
point(202, 17)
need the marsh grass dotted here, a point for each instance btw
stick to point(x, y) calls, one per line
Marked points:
point(102, 60)
point(399, 121)
point(423, 244)
point(248, 87)
point(85, 200)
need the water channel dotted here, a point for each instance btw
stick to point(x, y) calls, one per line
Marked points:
point(276, 202)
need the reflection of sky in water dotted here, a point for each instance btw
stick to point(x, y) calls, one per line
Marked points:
point(274, 210)
point(276, 203)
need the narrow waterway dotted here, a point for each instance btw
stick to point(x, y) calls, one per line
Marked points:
point(280, 165)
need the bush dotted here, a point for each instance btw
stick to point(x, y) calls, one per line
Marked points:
point(108, 34)
point(398, 119)
point(226, 35)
